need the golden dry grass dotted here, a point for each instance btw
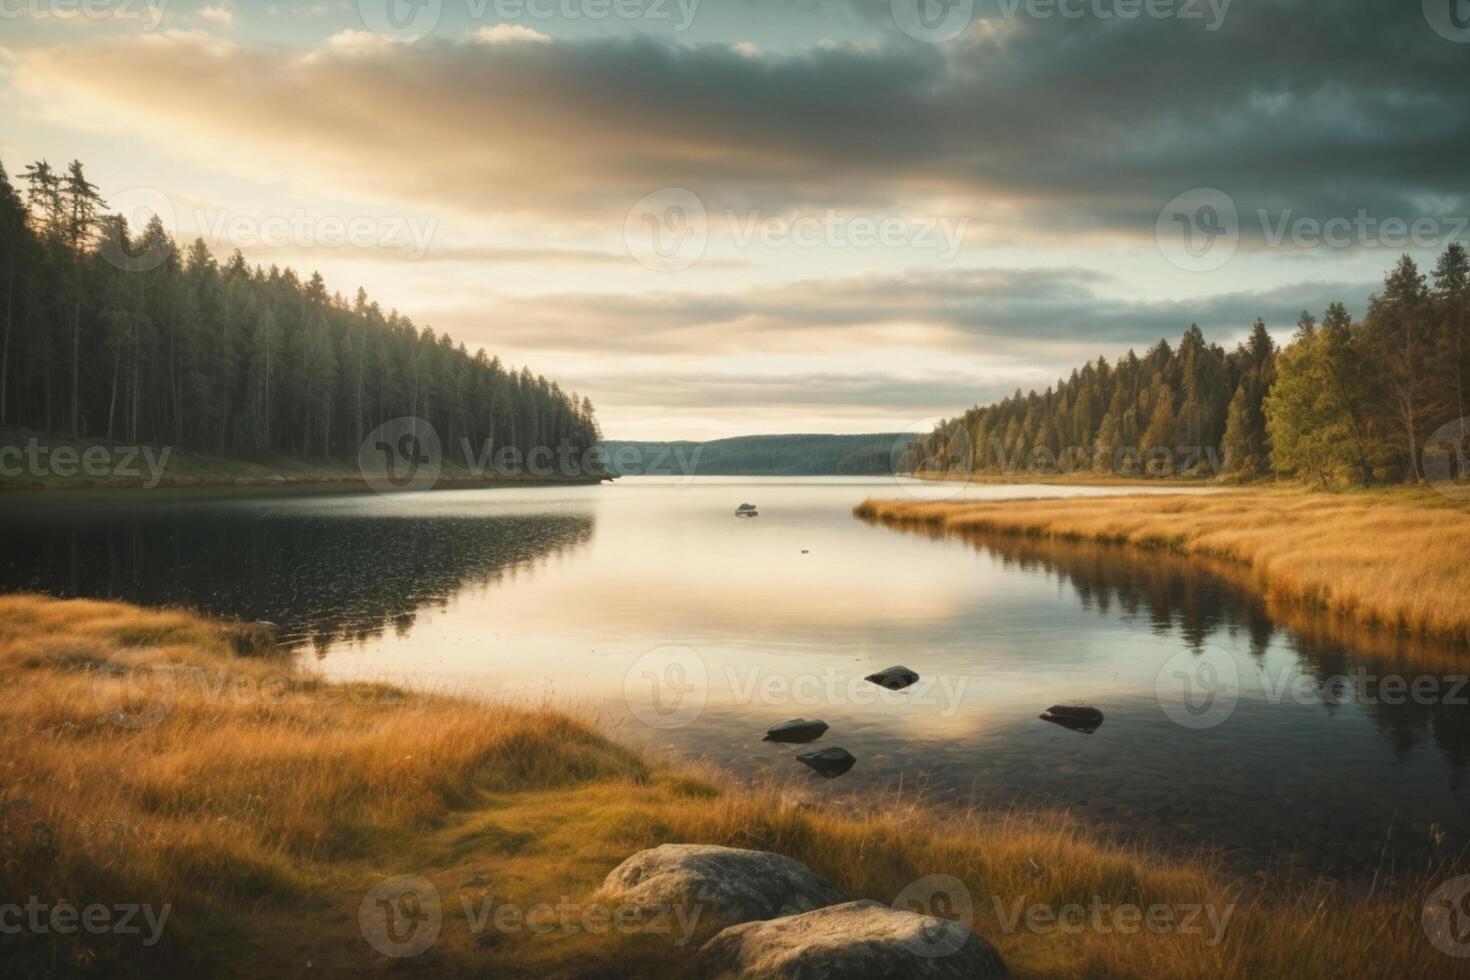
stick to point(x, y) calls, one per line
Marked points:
point(1394, 560)
point(263, 804)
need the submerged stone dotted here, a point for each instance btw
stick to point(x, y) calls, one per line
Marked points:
point(1077, 717)
point(796, 730)
point(830, 763)
point(894, 678)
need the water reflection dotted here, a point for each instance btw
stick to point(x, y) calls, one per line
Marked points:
point(324, 578)
point(1374, 669)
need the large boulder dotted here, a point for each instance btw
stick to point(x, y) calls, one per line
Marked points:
point(725, 884)
point(855, 941)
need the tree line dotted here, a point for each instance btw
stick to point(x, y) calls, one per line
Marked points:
point(118, 334)
point(1345, 402)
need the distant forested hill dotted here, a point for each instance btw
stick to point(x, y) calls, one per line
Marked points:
point(790, 455)
point(1384, 399)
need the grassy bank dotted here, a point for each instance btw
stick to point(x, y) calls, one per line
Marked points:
point(263, 804)
point(1388, 559)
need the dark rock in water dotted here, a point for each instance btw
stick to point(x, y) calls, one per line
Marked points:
point(894, 678)
point(1077, 717)
point(830, 763)
point(726, 884)
point(858, 940)
point(797, 730)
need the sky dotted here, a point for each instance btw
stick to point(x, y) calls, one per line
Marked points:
point(723, 217)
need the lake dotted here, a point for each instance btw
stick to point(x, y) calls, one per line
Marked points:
point(649, 607)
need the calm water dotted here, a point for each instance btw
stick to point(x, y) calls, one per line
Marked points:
point(648, 605)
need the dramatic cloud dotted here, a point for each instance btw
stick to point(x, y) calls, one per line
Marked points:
point(1060, 127)
point(1060, 312)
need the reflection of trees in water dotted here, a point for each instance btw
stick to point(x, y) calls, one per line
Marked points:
point(1174, 593)
point(321, 579)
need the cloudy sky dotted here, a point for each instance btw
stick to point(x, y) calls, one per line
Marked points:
point(717, 218)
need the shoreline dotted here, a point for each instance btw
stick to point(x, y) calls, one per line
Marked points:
point(1389, 560)
point(266, 805)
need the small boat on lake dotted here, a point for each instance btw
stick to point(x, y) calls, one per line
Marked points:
point(745, 510)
